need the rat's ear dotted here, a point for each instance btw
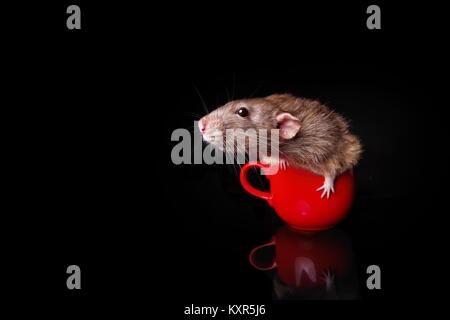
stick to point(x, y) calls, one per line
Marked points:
point(288, 125)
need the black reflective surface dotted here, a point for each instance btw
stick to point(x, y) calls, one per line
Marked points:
point(330, 264)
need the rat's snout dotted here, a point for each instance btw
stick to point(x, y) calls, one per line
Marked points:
point(202, 125)
point(208, 127)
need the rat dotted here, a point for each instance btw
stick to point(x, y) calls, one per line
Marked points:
point(311, 136)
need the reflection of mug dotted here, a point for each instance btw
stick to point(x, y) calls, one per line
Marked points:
point(294, 197)
point(311, 265)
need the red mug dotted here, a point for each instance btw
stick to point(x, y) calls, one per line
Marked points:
point(294, 197)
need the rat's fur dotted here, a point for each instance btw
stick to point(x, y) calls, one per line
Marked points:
point(323, 144)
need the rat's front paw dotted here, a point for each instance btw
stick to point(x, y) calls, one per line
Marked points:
point(327, 187)
point(283, 164)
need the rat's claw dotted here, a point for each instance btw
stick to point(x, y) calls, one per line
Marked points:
point(327, 275)
point(283, 164)
point(327, 187)
point(324, 191)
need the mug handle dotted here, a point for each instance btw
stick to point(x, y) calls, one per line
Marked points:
point(246, 184)
point(254, 264)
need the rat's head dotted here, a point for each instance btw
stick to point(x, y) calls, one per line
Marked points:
point(258, 113)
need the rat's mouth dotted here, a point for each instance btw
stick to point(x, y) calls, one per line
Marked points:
point(214, 137)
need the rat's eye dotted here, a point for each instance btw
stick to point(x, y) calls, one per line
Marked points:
point(243, 112)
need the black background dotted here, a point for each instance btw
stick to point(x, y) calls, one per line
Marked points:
point(92, 112)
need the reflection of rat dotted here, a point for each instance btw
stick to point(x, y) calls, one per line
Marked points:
point(311, 136)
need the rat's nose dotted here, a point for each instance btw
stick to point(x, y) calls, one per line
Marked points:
point(202, 125)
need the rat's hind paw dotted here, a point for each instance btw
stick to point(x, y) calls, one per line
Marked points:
point(328, 276)
point(327, 187)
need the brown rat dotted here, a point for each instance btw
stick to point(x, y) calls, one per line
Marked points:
point(311, 135)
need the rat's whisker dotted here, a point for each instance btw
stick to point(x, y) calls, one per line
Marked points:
point(228, 94)
point(234, 86)
point(233, 163)
point(260, 142)
point(192, 114)
point(254, 91)
point(201, 99)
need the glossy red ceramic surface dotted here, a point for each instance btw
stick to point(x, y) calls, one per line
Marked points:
point(294, 197)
